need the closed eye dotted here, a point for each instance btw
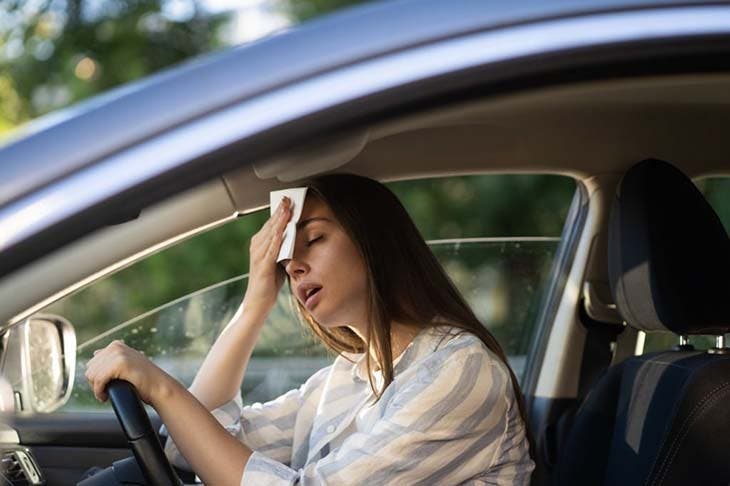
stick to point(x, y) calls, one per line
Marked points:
point(313, 240)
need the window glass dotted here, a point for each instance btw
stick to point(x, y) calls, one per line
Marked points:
point(717, 192)
point(496, 235)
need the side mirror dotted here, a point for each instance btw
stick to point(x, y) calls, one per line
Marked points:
point(39, 362)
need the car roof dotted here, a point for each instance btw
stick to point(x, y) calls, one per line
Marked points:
point(48, 149)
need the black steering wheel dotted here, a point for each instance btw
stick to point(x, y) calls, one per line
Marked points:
point(141, 437)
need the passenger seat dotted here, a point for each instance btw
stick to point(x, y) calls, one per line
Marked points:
point(661, 418)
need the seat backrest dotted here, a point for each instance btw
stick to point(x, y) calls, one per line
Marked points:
point(661, 418)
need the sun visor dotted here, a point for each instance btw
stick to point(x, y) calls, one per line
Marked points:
point(312, 159)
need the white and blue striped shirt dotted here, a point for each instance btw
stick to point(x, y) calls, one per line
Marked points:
point(449, 417)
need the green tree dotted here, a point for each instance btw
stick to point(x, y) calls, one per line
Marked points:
point(57, 54)
point(54, 53)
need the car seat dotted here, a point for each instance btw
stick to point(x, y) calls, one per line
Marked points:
point(661, 418)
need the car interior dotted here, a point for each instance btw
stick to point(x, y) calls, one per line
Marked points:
point(647, 254)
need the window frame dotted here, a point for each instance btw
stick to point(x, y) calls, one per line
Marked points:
point(562, 264)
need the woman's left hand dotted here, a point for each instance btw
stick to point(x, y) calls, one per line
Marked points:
point(119, 361)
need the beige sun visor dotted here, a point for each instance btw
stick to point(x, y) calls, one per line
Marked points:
point(313, 159)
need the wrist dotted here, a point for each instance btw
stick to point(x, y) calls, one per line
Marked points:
point(164, 390)
point(254, 310)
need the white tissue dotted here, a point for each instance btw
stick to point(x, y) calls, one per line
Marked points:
point(296, 195)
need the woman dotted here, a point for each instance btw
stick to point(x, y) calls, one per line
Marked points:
point(420, 392)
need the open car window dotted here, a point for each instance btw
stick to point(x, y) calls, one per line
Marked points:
point(173, 304)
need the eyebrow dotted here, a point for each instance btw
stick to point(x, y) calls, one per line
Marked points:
point(305, 222)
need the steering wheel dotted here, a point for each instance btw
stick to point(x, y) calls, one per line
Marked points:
point(141, 437)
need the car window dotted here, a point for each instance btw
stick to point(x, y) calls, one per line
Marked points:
point(717, 192)
point(496, 236)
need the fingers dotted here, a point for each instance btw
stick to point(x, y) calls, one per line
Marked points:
point(264, 282)
point(97, 375)
point(102, 378)
point(284, 205)
point(278, 236)
point(271, 232)
point(107, 364)
point(279, 220)
point(280, 211)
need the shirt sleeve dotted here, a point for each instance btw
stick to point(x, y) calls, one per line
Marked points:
point(446, 425)
point(265, 427)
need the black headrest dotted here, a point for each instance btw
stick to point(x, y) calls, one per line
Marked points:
point(668, 254)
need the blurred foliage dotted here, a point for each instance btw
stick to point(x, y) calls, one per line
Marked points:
point(495, 205)
point(60, 52)
point(56, 52)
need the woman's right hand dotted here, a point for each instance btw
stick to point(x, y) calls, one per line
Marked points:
point(265, 276)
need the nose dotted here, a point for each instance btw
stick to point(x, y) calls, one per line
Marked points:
point(295, 267)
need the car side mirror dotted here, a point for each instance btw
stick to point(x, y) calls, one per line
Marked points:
point(39, 363)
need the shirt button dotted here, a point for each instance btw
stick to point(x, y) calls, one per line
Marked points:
point(330, 429)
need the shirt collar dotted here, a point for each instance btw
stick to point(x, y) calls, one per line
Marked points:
point(415, 348)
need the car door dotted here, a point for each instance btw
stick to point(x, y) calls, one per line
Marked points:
point(474, 54)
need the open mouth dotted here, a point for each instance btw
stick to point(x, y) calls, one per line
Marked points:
point(310, 295)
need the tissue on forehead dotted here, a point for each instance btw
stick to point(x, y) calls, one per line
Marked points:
point(296, 195)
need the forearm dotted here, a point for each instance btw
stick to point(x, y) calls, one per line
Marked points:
point(220, 376)
point(215, 455)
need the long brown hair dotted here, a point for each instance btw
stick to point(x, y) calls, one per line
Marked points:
point(405, 282)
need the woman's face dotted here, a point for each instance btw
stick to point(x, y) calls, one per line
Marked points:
point(326, 273)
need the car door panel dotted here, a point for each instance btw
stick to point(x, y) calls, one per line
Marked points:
point(66, 445)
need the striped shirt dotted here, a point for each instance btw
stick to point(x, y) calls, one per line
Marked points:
point(448, 417)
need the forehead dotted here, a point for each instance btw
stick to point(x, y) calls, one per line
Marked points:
point(315, 208)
